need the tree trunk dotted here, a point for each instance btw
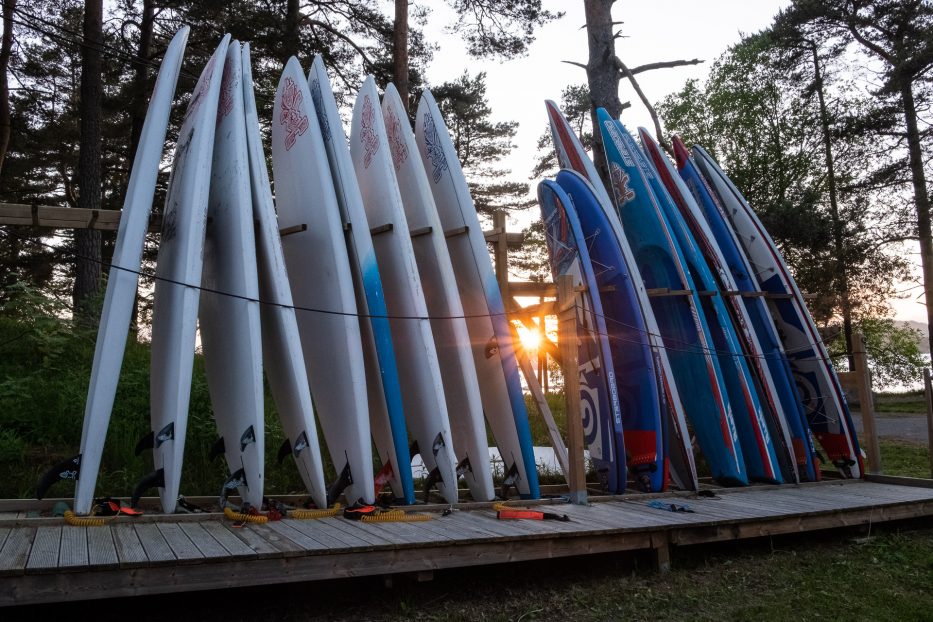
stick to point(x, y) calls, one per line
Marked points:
point(602, 75)
point(6, 48)
point(920, 195)
point(87, 241)
point(841, 274)
point(400, 51)
point(141, 86)
point(291, 39)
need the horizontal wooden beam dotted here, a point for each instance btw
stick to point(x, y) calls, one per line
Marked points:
point(48, 216)
point(514, 240)
point(528, 289)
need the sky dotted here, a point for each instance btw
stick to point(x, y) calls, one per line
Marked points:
point(659, 30)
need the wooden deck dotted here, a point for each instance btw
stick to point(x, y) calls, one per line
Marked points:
point(44, 560)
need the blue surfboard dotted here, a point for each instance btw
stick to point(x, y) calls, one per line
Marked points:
point(821, 394)
point(774, 359)
point(761, 459)
point(680, 315)
point(599, 397)
point(632, 357)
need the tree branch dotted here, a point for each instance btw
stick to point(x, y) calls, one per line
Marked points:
point(644, 99)
point(665, 65)
point(574, 63)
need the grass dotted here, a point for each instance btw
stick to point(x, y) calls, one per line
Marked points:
point(904, 458)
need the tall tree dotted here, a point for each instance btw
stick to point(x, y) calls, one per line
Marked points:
point(88, 241)
point(481, 143)
point(6, 50)
point(896, 34)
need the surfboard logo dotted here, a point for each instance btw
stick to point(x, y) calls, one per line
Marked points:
point(492, 347)
point(225, 105)
point(203, 85)
point(293, 116)
point(397, 145)
point(318, 100)
point(620, 186)
point(433, 148)
point(368, 137)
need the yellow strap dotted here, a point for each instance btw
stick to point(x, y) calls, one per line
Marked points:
point(86, 521)
point(311, 514)
point(245, 518)
point(395, 516)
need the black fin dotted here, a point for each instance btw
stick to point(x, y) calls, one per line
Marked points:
point(217, 449)
point(233, 482)
point(284, 450)
point(414, 450)
point(510, 478)
point(464, 466)
point(156, 479)
point(438, 444)
point(339, 485)
point(301, 443)
point(433, 478)
point(67, 469)
point(145, 442)
point(248, 437)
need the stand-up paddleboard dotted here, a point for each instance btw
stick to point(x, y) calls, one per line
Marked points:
point(675, 446)
point(281, 344)
point(633, 361)
point(599, 398)
point(418, 365)
point(451, 338)
point(680, 317)
point(701, 211)
point(121, 284)
point(178, 276)
point(493, 351)
point(386, 413)
point(228, 318)
point(822, 396)
point(761, 458)
point(322, 285)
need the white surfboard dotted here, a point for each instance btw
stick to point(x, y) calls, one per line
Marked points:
point(321, 282)
point(419, 373)
point(451, 337)
point(281, 345)
point(123, 278)
point(386, 413)
point(490, 336)
point(178, 275)
point(228, 318)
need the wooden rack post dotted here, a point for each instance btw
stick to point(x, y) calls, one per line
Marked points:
point(928, 394)
point(568, 341)
point(866, 403)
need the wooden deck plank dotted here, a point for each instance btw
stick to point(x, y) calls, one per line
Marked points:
point(129, 549)
point(234, 545)
point(346, 540)
point(4, 533)
point(449, 529)
point(466, 522)
point(206, 544)
point(16, 547)
point(323, 534)
point(74, 552)
point(157, 549)
point(410, 533)
point(285, 546)
point(101, 550)
point(43, 555)
point(357, 530)
point(287, 530)
point(15, 550)
point(488, 521)
point(181, 545)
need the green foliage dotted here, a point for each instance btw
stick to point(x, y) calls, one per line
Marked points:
point(504, 28)
point(904, 459)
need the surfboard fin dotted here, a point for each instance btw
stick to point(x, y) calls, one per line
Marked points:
point(145, 442)
point(217, 449)
point(339, 485)
point(432, 479)
point(511, 478)
point(284, 450)
point(233, 482)
point(67, 469)
point(156, 479)
point(464, 467)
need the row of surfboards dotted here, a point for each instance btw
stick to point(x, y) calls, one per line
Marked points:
point(689, 320)
point(366, 283)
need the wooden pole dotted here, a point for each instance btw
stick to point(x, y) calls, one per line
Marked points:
point(501, 248)
point(928, 393)
point(569, 344)
point(866, 403)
